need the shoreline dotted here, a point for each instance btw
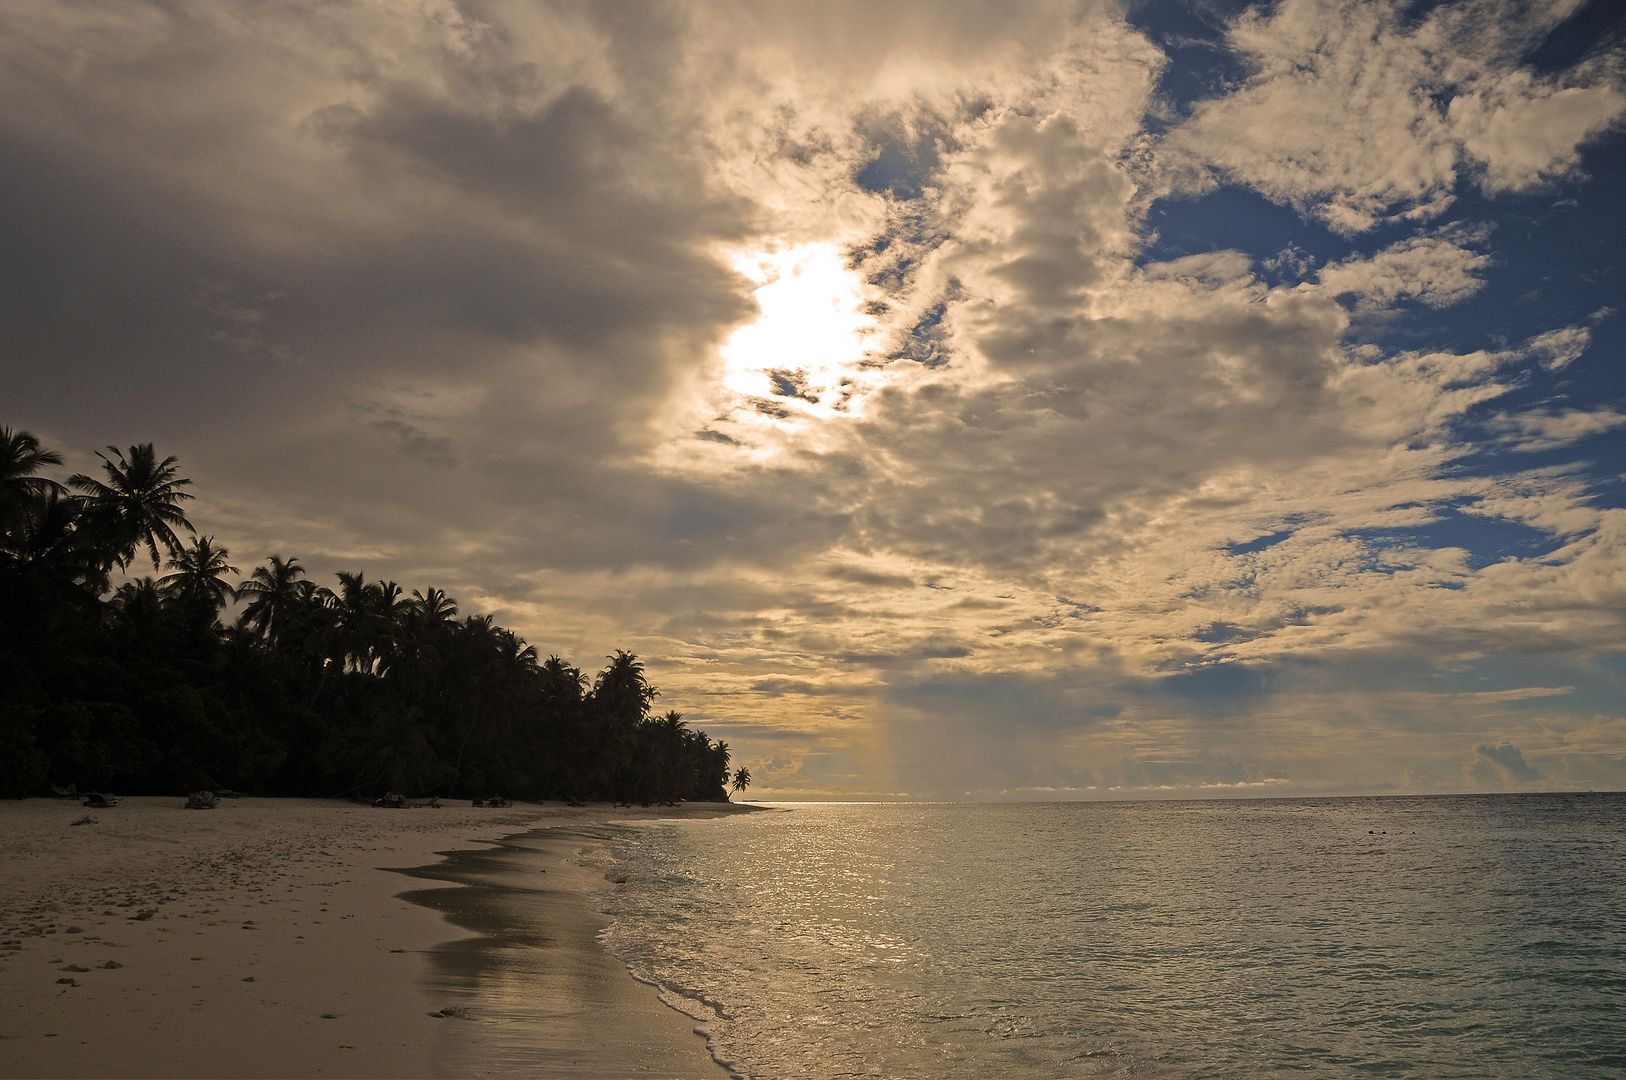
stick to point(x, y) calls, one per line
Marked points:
point(272, 937)
point(546, 996)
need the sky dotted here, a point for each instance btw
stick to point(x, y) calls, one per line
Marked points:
point(944, 400)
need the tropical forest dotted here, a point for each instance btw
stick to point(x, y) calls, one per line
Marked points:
point(117, 679)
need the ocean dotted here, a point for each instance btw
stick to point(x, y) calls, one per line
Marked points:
point(1474, 936)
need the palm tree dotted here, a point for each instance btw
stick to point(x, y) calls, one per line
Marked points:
point(499, 670)
point(243, 674)
point(664, 775)
point(620, 700)
point(137, 617)
point(350, 636)
point(622, 692)
point(139, 504)
point(390, 600)
point(20, 458)
point(562, 684)
point(742, 779)
point(421, 627)
point(47, 547)
point(275, 593)
point(435, 608)
point(198, 578)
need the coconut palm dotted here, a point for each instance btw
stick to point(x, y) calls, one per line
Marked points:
point(742, 779)
point(20, 458)
point(139, 504)
point(390, 600)
point(199, 576)
point(621, 691)
point(421, 627)
point(562, 684)
point(435, 608)
point(137, 617)
point(664, 773)
point(350, 636)
point(243, 674)
point(274, 593)
point(47, 545)
point(499, 673)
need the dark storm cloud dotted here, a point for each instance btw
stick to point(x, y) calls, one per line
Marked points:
point(477, 264)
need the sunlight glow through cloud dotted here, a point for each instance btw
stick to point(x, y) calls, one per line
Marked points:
point(812, 334)
point(937, 397)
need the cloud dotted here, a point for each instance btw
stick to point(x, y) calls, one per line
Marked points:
point(1561, 347)
point(455, 293)
point(1523, 693)
point(1356, 114)
point(1434, 271)
point(1527, 132)
point(1502, 765)
point(1538, 430)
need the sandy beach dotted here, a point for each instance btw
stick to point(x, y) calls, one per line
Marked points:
point(270, 937)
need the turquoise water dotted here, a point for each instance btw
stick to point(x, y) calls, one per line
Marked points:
point(1395, 937)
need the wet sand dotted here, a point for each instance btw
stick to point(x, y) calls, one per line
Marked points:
point(269, 937)
point(544, 998)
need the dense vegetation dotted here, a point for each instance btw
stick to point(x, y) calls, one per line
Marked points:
point(359, 689)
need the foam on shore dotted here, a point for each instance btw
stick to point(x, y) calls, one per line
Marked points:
point(549, 999)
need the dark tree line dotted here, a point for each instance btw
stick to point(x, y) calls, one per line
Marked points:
point(313, 690)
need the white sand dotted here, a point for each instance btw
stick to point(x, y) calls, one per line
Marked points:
point(263, 939)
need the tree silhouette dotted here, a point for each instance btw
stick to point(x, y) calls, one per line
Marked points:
point(274, 594)
point(20, 458)
point(47, 554)
point(139, 504)
point(198, 582)
point(311, 691)
point(435, 607)
point(360, 625)
point(742, 780)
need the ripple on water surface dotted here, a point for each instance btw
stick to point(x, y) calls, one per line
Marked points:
point(1427, 937)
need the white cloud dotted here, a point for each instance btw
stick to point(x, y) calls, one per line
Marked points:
point(1432, 270)
point(1357, 114)
point(1560, 348)
point(1526, 132)
point(1550, 429)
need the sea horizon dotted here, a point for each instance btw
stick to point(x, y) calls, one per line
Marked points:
point(1171, 798)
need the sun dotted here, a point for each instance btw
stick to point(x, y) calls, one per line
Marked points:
point(813, 332)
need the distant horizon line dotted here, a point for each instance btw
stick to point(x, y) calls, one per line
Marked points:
point(1173, 799)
